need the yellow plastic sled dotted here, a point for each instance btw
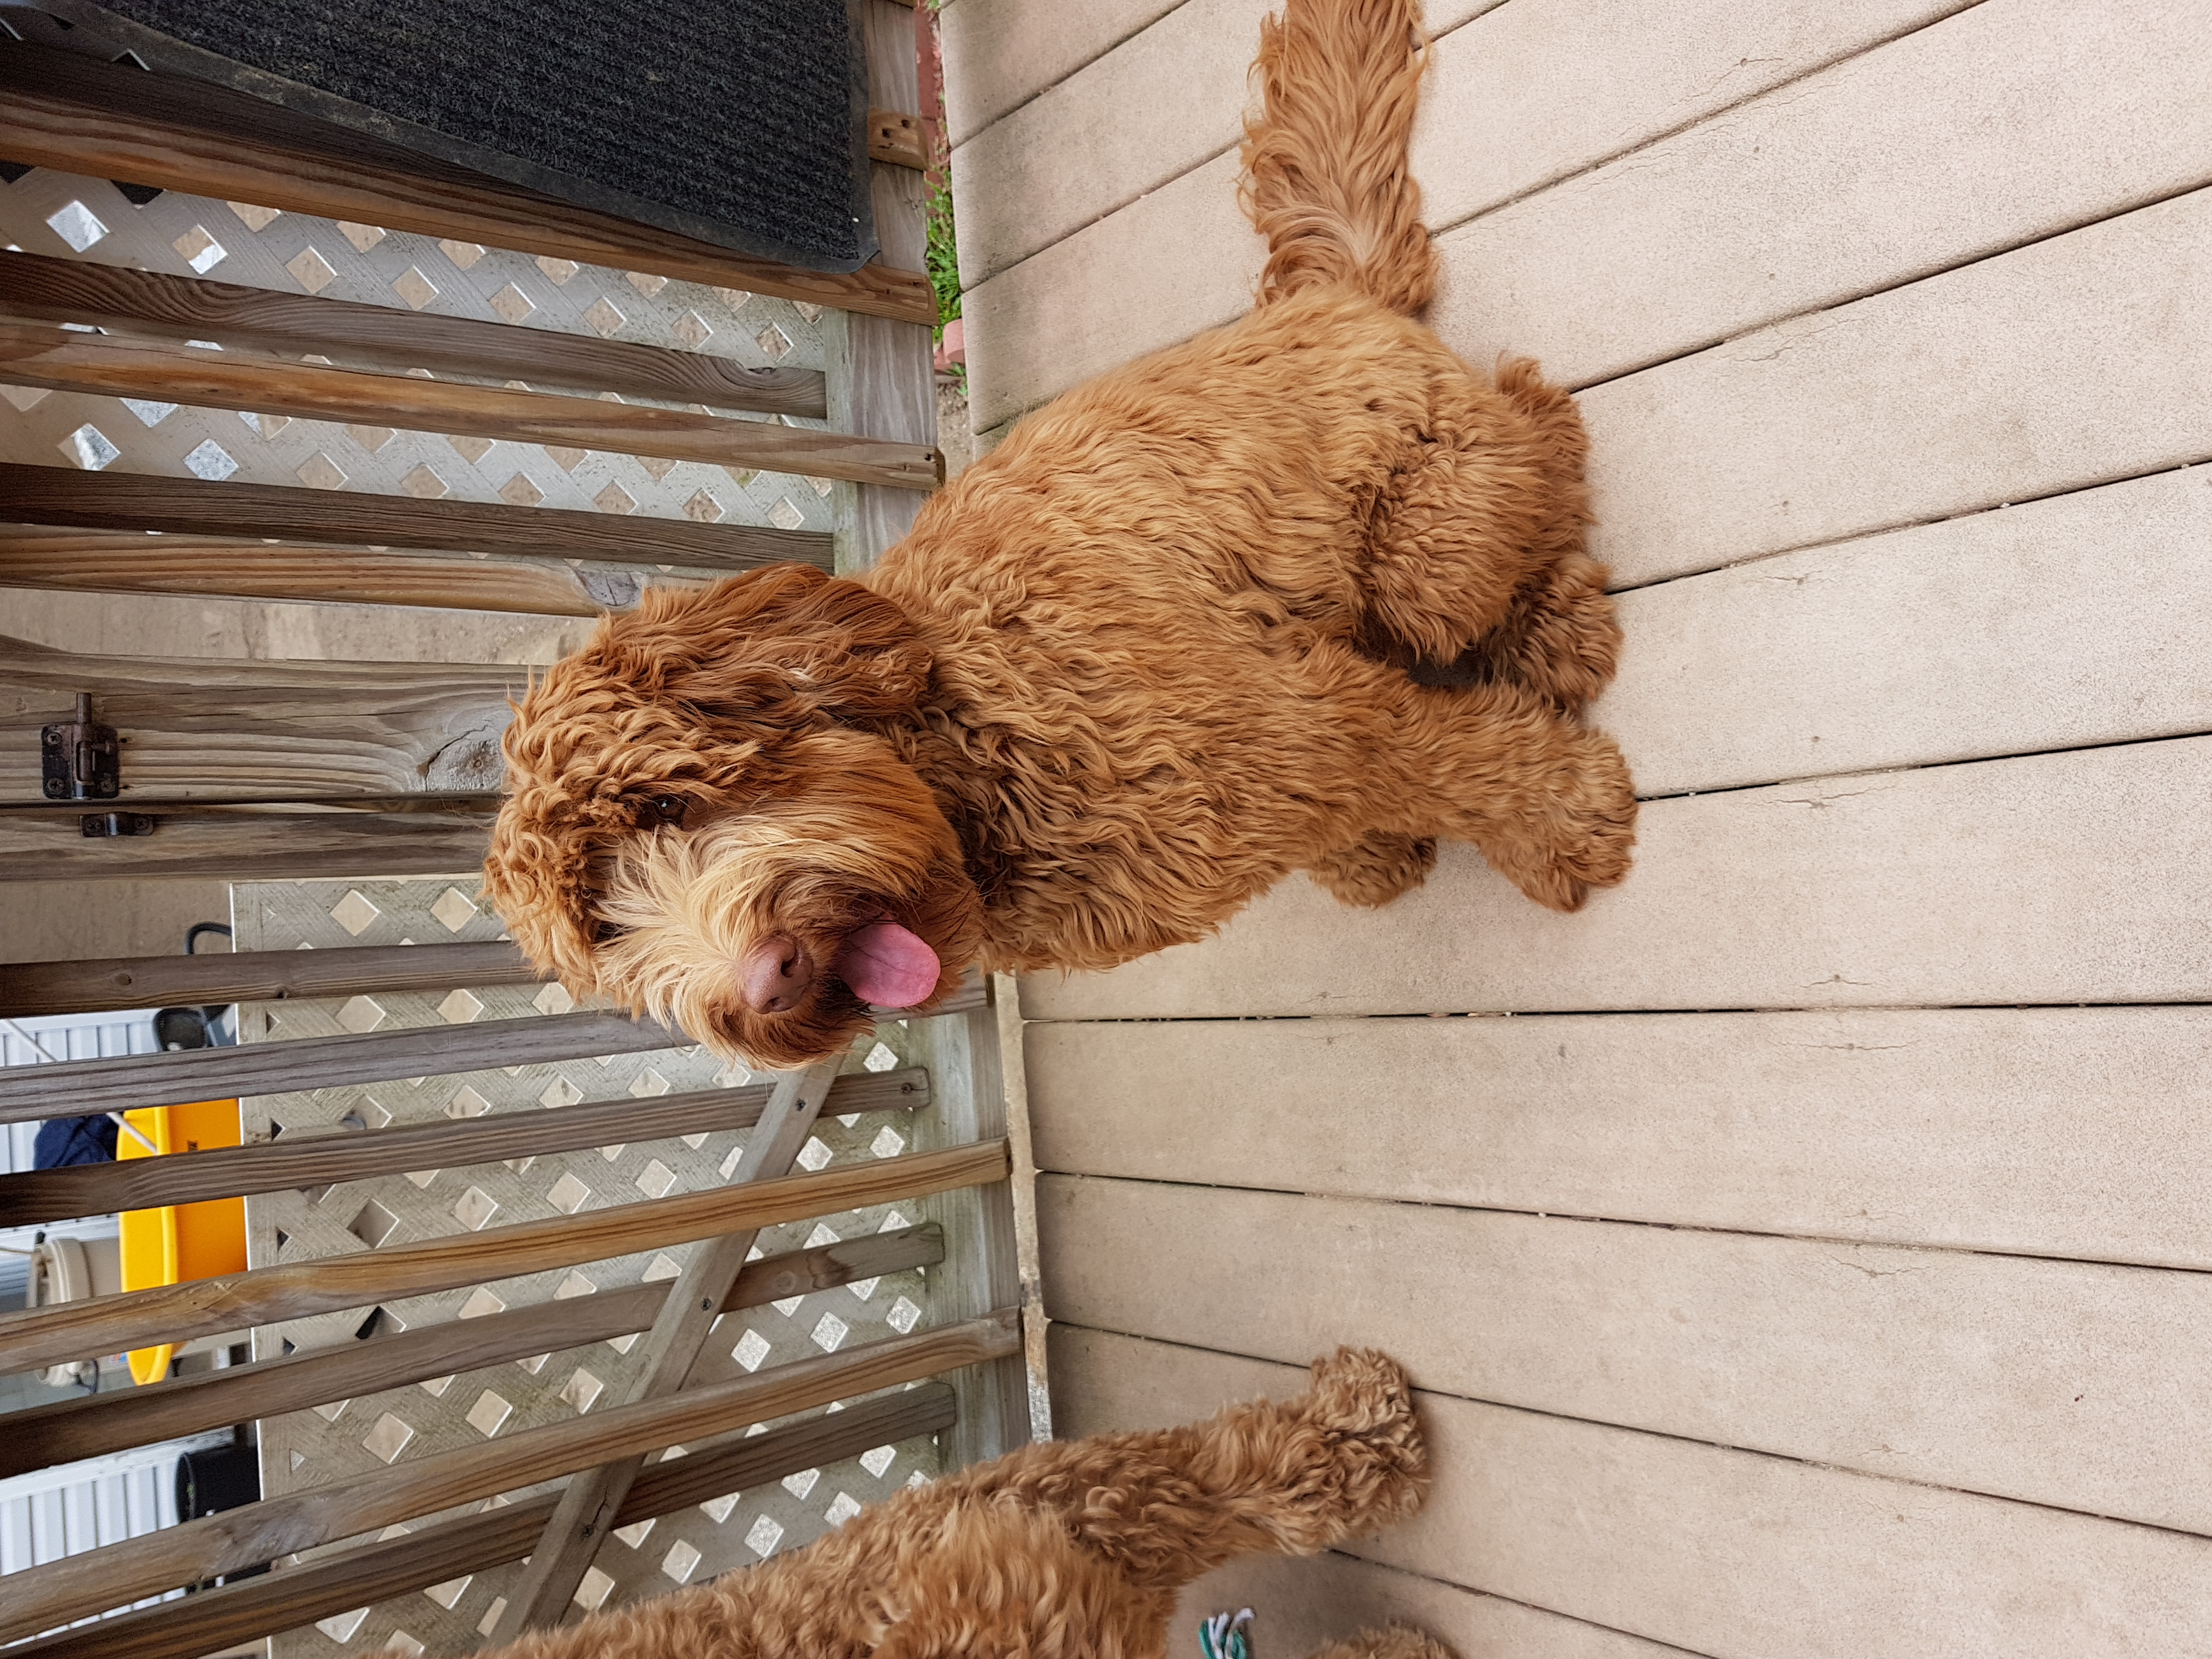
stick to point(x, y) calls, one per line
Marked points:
point(179, 1243)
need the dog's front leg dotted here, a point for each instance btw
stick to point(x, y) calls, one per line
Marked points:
point(1341, 1460)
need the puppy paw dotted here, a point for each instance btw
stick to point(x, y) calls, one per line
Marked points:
point(1372, 1467)
point(1378, 869)
point(1584, 836)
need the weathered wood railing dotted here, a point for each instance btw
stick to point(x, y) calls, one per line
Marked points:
point(276, 770)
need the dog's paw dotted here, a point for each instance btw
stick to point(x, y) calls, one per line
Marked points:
point(1361, 1391)
point(1584, 840)
point(1378, 869)
point(1362, 1403)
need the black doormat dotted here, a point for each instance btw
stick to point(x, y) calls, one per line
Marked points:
point(742, 123)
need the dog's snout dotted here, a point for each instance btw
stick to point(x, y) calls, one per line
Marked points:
point(774, 975)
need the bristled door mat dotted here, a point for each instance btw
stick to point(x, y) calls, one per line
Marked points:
point(742, 123)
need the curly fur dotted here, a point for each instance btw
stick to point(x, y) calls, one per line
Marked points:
point(1069, 1550)
point(1301, 593)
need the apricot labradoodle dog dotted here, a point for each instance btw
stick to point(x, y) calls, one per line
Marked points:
point(1068, 1550)
point(1303, 594)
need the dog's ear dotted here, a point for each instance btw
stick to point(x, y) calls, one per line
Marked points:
point(777, 642)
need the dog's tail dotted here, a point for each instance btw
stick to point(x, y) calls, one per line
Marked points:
point(1327, 179)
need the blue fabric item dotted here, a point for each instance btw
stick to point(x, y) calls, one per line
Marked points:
point(65, 1140)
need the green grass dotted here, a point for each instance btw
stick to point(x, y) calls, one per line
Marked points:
point(943, 261)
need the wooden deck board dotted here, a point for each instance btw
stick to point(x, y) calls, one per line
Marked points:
point(2037, 1131)
point(2066, 1383)
point(2024, 375)
point(2078, 877)
point(1718, 1551)
point(2012, 121)
point(2059, 624)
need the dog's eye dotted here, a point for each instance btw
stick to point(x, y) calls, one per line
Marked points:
point(668, 809)
point(605, 932)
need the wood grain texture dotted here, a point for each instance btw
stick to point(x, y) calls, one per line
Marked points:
point(296, 1596)
point(2058, 878)
point(580, 1521)
point(2007, 123)
point(1713, 1550)
point(41, 1597)
point(102, 561)
point(103, 1423)
point(1522, 95)
point(894, 139)
point(264, 1296)
point(245, 845)
point(1527, 95)
point(123, 500)
point(1174, 262)
point(67, 111)
point(2000, 633)
point(2065, 1383)
point(1921, 403)
point(31, 988)
point(386, 336)
point(205, 729)
point(27, 1092)
point(2031, 1131)
point(60, 359)
point(191, 1178)
point(998, 55)
point(982, 1268)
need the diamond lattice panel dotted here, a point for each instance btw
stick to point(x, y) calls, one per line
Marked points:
point(63, 215)
point(344, 1440)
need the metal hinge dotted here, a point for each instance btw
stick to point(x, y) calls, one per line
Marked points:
point(81, 759)
point(100, 826)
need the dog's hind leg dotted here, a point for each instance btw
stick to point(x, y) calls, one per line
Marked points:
point(1378, 869)
point(1479, 535)
point(1548, 801)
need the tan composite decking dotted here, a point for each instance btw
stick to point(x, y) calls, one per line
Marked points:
point(1816, 1263)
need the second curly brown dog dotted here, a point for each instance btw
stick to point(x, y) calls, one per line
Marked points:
point(1070, 1550)
point(1149, 657)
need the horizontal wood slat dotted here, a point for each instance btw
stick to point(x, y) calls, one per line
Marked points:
point(2032, 1131)
point(34, 286)
point(1921, 403)
point(2053, 879)
point(88, 1427)
point(97, 562)
point(2060, 1383)
point(28, 1093)
point(264, 1296)
point(205, 729)
point(66, 111)
point(42, 1597)
point(2000, 633)
point(193, 1177)
point(293, 1596)
point(126, 501)
point(244, 846)
point(2011, 121)
point(31, 988)
point(1710, 1549)
point(61, 360)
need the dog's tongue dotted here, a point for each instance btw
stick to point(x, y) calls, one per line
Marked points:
point(888, 966)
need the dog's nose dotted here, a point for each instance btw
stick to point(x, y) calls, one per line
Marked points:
point(776, 975)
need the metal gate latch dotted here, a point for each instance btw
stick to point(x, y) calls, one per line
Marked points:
point(81, 759)
point(100, 826)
